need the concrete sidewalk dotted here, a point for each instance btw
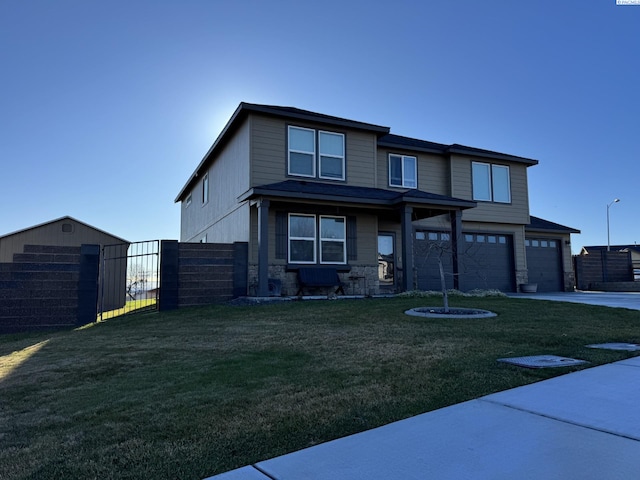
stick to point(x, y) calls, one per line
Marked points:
point(583, 425)
point(629, 300)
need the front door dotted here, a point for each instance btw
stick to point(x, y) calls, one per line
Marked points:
point(386, 261)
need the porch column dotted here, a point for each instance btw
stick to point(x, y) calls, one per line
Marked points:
point(407, 248)
point(455, 217)
point(263, 248)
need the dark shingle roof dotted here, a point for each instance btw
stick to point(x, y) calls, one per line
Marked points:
point(541, 225)
point(361, 195)
point(396, 141)
point(297, 113)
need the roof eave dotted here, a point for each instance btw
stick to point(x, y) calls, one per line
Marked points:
point(493, 155)
point(551, 230)
point(312, 117)
point(221, 138)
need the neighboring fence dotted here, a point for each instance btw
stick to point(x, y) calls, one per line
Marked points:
point(201, 273)
point(601, 267)
point(49, 287)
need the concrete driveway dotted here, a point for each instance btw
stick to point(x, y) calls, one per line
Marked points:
point(629, 300)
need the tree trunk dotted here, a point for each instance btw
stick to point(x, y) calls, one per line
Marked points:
point(443, 284)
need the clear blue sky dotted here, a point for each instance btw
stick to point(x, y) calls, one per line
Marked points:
point(108, 106)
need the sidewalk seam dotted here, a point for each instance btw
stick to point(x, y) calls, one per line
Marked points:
point(557, 419)
point(263, 472)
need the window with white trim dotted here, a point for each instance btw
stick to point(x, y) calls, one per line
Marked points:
point(331, 147)
point(403, 171)
point(311, 237)
point(491, 183)
point(302, 152)
point(302, 238)
point(302, 161)
point(333, 240)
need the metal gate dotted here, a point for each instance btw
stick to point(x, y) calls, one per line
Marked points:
point(129, 278)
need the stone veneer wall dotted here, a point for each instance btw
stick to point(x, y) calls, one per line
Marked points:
point(360, 280)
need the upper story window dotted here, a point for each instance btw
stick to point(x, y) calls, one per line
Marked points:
point(491, 183)
point(302, 152)
point(403, 171)
point(205, 188)
point(331, 155)
point(327, 162)
point(188, 201)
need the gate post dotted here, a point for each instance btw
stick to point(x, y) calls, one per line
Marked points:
point(240, 268)
point(88, 284)
point(169, 257)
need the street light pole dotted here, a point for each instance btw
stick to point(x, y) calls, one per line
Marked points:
point(608, 238)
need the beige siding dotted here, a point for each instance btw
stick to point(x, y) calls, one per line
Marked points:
point(367, 240)
point(361, 158)
point(52, 234)
point(228, 179)
point(269, 152)
point(516, 212)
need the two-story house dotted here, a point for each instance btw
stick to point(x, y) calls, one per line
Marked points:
point(304, 188)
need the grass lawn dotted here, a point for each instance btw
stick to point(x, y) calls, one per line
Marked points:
point(190, 393)
point(129, 307)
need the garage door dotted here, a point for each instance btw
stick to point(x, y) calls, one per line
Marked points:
point(429, 249)
point(486, 261)
point(544, 262)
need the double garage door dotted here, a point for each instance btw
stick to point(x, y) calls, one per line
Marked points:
point(486, 261)
point(544, 262)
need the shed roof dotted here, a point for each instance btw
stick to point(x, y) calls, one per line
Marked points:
point(66, 217)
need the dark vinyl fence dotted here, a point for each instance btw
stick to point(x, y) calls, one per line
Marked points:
point(49, 287)
point(54, 287)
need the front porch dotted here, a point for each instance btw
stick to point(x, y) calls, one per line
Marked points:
point(358, 213)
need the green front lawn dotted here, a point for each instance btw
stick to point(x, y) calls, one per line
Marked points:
point(190, 393)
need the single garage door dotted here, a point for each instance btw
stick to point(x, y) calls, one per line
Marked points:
point(544, 262)
point(486, 261)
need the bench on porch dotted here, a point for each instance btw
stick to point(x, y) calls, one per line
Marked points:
point(319, 277)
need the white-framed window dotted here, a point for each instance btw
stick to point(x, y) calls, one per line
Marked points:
point(403, 171)
point(302, 152)
point(331, 146)
point(327, 161)
point(302, 238)
point(491, 183)
point(333, 240)
point(205, 188)
point(312, 237)
point(188, 201)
